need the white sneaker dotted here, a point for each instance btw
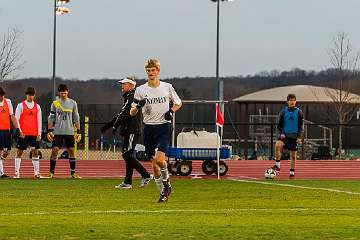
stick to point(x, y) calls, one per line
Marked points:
point(16, 175)
point(145, 181)
point(123, 186)
point(292, 174)
point(38, 176)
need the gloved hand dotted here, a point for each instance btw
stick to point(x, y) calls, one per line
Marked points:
point(169, 115)
point(50, 135)
point(141, 103)
point(77, 137)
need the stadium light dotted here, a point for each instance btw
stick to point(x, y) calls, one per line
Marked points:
point(62, 10)
point(61, 2)
point(58, 10)
point(220, 83)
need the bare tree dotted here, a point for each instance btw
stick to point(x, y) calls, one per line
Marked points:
point(10, 54)
point(344, 62)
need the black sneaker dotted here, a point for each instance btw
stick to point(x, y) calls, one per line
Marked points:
point(4, 176)
point(163, 198)
point(167, 188)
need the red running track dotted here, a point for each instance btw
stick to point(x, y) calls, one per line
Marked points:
point(243, 169)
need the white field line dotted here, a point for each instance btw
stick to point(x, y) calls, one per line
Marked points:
point(204, 211)
point(246, 177)
point(296, 186)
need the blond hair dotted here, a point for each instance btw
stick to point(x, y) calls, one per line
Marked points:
point(152, 62)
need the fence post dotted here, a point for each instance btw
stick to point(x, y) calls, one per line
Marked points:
point(86, 138)
point(272, 141)
point(173, 131)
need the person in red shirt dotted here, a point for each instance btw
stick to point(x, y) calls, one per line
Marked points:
point(28, 114)
point(6, 118)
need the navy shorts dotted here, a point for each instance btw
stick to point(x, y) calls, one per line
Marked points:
point(28, 141)
point(5, 140)
point(290, 144)
point(156, 137)
point(59, 141)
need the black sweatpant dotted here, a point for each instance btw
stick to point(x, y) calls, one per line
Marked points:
point(129, 155)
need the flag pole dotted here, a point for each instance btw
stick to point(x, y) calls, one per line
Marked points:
point(218, 143)
point(219, 124)
point(218, 152)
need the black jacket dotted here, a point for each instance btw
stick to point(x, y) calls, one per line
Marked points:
point(127, 123)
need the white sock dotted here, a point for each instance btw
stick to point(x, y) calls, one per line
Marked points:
point(277, 163)
point(159, 184)
point(17, 165)
point(164, 172)
point(1, 167)
point(36, 164)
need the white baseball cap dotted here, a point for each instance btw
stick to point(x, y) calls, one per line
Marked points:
point(127, 80)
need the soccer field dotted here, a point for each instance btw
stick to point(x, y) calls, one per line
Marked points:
point(197, 209)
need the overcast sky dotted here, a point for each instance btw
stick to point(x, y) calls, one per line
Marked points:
point(113, 38)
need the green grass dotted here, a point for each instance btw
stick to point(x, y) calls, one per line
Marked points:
point(198, 209)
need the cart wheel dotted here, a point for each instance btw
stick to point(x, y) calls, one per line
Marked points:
point(173, 167)
point(185, 168)
point(223, 168)
point(208, 167)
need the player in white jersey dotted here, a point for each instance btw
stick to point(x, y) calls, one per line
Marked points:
point(29, 117)
point(154, 99)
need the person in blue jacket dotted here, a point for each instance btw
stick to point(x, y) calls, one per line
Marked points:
point(290, 127)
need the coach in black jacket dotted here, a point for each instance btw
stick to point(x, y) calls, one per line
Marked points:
point(130, 129)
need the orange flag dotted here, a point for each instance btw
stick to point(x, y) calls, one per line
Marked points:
point(219, 116)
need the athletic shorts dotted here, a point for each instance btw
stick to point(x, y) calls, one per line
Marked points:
point(28, 141)
point(156, 137)
point(59, 141)
point(5, 140)
point(290, 144)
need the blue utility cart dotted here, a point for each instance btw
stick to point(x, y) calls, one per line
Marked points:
point(180, 160)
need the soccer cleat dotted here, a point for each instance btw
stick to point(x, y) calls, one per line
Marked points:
point(292, 173)
point(123, 186)
point(167, 188)
point(16, 175)
point(163, 199)
point(50, 175)
point(4, 176)
point(145, 181)
point(75, 176)
point(37, 176)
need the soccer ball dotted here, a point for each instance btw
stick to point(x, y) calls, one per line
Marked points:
point(270, 173)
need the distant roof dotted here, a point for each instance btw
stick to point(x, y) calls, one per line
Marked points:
point(304, 93)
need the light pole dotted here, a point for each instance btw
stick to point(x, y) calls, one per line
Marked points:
point(58, 10)
point(220, 83)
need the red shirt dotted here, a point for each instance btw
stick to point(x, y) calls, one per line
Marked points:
point(29, 120)
point(4, 116)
